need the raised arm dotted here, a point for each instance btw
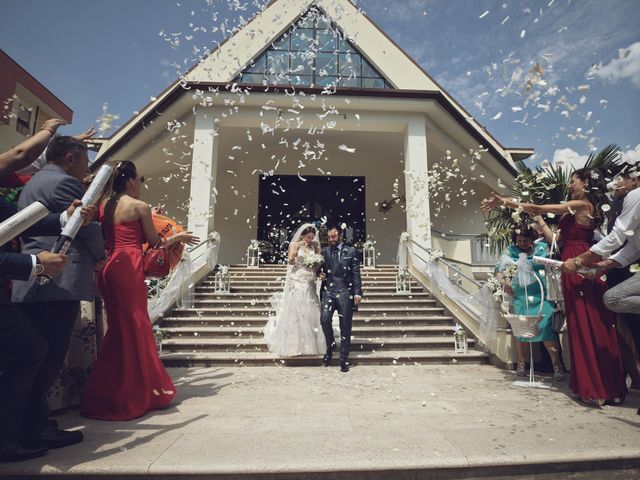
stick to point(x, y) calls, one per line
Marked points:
point(28, 151)
point(572, 206)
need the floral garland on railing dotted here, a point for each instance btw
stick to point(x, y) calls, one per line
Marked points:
point(254, 245)
point(434, 254)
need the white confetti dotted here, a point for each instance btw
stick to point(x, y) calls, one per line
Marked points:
point(344, 148)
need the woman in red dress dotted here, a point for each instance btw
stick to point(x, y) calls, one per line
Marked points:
point(596, 366)
point(128, 378)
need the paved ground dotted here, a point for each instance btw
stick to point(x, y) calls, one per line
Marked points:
point(393, 418)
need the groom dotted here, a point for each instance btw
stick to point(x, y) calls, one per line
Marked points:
point(341, 290)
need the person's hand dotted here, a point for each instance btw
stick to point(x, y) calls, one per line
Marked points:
point(323, 276)
point(99, 265)
point(492, 202)
point(87, 213)
point(157, 210)
point(84, 136)
point(52, 125)
point(357, 299)
point(569, 266)
point(601, 268)
point(186, 238)
point(53, 263)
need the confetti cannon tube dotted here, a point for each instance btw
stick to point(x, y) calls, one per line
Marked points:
point(74, 224)
point(550, 262)
point(18, 223)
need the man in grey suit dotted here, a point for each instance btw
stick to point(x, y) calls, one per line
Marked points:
point(53, 308)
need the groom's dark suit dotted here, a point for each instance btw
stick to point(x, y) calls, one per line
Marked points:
point(342, 270)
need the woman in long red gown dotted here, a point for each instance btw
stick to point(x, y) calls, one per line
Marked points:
point(128, 378)
point(596, 365)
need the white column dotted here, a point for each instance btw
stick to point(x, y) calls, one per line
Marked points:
point(416, 181)
point(204, 166)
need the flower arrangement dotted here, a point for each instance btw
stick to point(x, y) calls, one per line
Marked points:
point(313, 260)
point(405, 237)
point(458, 330)
point(254, 245)
point(368, 244)
point(223, 269)
point(495, 287)
point(510, 271)
point(459, 339)
point(214, 237)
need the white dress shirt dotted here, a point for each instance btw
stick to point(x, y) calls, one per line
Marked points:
point(626, 229)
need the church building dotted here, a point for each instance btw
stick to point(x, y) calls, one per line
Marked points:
point(310, 112)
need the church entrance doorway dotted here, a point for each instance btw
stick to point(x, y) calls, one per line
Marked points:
point(287, 201)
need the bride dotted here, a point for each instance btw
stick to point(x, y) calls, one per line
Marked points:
point(295, 329)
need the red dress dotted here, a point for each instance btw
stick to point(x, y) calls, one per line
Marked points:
point(596, 365)
point(128, 378)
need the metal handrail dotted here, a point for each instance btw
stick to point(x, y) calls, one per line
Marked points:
point(449, 265)
point(459, 272)
point(454, 236)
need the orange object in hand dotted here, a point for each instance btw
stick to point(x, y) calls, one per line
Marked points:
point(167, 227)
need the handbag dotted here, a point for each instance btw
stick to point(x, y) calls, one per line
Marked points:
point(554, 291)
point(559, 319)
point(553, 276)
point(156, 261)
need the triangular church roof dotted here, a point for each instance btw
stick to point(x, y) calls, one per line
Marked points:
point(405, 77)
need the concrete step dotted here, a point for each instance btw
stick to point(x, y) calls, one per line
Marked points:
point(265, 303)
point(355, 358)
point(363, 310)
point(210, 291)
point(366, 289)
point(260, 321)
point(361, 330)
point(203, 344)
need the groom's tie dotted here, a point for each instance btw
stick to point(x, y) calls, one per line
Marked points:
point(334, 255)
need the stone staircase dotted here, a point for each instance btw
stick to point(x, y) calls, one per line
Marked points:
point(389, 328)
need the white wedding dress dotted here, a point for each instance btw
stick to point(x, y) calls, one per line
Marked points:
point(295, 327)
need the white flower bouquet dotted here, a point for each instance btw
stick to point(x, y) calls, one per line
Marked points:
point(405, 237)
point(313, 260)
point(510, 271)
point(494, 286)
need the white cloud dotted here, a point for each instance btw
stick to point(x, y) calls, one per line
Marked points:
point(627, 65)
point(632, 156)
point(569, 159)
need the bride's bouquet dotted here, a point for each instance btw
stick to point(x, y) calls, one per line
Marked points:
point(313, 260)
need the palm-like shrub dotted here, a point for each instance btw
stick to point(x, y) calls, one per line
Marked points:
point(546, 184)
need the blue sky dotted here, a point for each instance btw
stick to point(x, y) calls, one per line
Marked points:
point(482, 52)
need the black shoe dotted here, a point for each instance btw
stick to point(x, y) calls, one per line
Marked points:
point(344, 367)
point(53, 437)
point(11, 451)
point(326, 359)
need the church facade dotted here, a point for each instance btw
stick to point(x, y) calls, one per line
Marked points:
point(311, 113)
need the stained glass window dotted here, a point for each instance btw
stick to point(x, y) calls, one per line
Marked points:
point(313, 53)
